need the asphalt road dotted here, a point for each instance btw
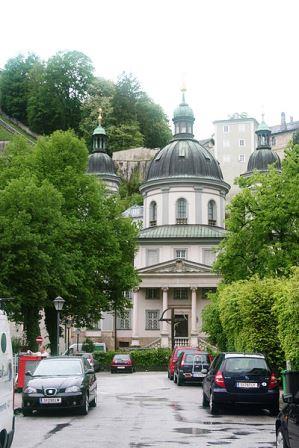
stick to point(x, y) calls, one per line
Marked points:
point(145, 410)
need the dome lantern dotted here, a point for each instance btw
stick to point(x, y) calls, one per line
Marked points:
point(183, 119)
point(99, 137)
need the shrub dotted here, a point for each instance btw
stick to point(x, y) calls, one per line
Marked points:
point(88, 346)
point(148, 359)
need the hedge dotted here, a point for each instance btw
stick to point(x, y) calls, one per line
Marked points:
point(155, 359)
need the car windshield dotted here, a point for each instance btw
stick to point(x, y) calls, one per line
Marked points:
point(246, 365)
point(58, 367)
point(200, 359)
point(122, 357)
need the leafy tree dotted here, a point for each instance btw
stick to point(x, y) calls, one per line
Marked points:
point(212, 323)
point(125, 136)
point(127, 93)
point(14, 85)
point(263, 239)
point(153, 123)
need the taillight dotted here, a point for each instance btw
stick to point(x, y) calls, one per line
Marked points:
point(219, 380)
point(273, 381)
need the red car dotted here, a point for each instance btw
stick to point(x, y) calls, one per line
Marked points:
point(174, 357)
point(122, 363)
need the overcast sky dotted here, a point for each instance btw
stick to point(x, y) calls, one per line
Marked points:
point(236, 55)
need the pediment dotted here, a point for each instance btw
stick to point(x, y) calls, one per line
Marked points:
point(176, 266)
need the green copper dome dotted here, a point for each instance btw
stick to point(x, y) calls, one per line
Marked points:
point(263, 127)
point(182, 111)
point(99, 130)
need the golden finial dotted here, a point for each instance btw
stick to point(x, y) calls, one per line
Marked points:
point(100, 117)
point(183, 88)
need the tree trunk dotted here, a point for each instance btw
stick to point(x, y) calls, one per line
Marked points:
point(51, 325)
point(31, 326)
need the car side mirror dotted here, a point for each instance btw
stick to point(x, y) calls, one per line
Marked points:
point(28, 373)
point(204, 371)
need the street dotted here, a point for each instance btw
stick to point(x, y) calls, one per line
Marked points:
point(145, 410)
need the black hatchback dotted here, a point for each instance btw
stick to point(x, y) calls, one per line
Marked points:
point(191, 367)
point(60, 383)
point(238, 378)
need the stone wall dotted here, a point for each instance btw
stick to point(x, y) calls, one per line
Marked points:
point(129, 161)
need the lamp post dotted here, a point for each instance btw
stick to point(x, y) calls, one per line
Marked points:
point(78, 334)
point(68, 326)
point(58, 303)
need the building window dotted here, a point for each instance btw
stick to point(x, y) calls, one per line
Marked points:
point(180, 253)
point(152, 256)
point(124, 322)
point(209, 256)
point(152, 319)
point(153, 214)
point(152, 293)
point(181, 211)
point(180, 293)
point(241, 142)
point(212, 217)
point(242, 158)
point(128, 295)
point(225, 129)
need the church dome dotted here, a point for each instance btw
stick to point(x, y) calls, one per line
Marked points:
point(261, 159)
point(183, 110)
point(184, 158)
point(100, 163)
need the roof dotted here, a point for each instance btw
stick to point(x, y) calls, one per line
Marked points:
point(182, 231)
point(293, 126)
point(261, 159)
point(100, 163)
point(235, 120)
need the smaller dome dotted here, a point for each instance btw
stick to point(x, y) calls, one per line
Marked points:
point(261, 159)
point(99, 130)
point(263, 127)
point(100, 163)
point(183, 111)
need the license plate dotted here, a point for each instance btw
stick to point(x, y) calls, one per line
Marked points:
point(120, 367)
point(248, 385)
point(198, 374)
point(50, 400)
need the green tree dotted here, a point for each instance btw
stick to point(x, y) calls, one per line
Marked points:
point(15, 85)
point(263, 224)
point(125, 136)
point(153, 123)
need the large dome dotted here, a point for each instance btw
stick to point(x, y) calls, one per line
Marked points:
point(261, 159)
point(184, 158)
point(100, 163)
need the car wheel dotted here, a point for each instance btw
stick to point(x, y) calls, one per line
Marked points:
point(213, 405)
point(180, 381)
point(93, 403)
point(26, 412)
point(83, 410)
point(280, 443)
point(274, 411)
point(205, 401)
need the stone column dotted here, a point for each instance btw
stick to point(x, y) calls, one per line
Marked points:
point(165, 325)
point(135, 329)
point(194, 332)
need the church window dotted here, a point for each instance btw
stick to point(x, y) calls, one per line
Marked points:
point(183, 128)
point(181, 211)
point(152, 319)
point(182, 151)
point(124, 321)
point(225, 129)
point(242, 158)
point(241, 142)
point(180, 293)
point(181, 253)
point(152, 256)
point(152, 293)
point(153, 214)
point(212, 219)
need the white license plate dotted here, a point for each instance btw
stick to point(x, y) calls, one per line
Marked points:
point(120, 367)
point(248, 385)
point(198, 374)
point(50, 400)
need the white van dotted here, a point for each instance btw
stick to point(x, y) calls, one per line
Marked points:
point(7, 420)
point(75, 348)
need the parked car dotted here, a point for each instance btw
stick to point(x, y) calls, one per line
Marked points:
point(239, 378)
point(122, 363)
point(174, 357)
point(60, 383)
point(7, 420)
point(287, 421)
point(191, 367)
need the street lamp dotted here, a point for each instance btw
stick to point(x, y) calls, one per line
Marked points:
point(68, 326)
point(58, 303)
point(78, 331)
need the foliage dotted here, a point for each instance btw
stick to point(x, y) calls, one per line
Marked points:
point(263, 239)
point(88, 346)
point(286, 309)
point(147, 359)
point(153, 123)
point(15, 85)
point(129, 191)
point(212, 322)
point(125, 136)
point(17, 345)
point(52, 216)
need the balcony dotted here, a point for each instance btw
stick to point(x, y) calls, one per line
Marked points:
point(181, 220)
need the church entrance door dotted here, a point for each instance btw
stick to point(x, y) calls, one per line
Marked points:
point(181, 326)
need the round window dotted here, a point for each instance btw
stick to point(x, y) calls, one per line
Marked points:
point(3, 342)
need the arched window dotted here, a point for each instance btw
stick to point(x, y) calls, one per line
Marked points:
point(153, 214)
point(212, 216)
point(181, 211)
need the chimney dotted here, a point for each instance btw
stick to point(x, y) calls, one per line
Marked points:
point(283, 124)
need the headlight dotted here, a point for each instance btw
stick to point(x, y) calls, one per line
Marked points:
point(30, 390)
point(72, 389)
